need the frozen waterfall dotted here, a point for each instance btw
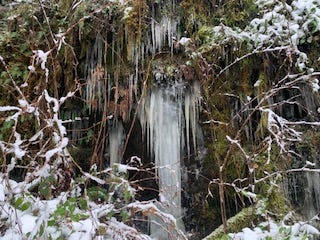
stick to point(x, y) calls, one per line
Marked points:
point(166, 116)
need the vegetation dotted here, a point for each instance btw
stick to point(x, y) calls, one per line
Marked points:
point(71, 70)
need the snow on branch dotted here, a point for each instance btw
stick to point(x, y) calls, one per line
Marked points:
point(279, 129)
point(41, 58)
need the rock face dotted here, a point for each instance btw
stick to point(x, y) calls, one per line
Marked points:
point(144, 71)
point(215, 100)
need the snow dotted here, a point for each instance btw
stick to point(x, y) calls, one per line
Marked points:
point(29, 222)
point(19, 153)
point(38, 135)
point(296, 231)
point(26, 106)
point(23, 85)
point(31, 68)
point(232, 140)
point(127, 12)
point(278, 24)
point(257, 83)
point(280, 129)
point(315, 85)
point(41, 58)
point(52, 100)
point(2, 193)
point(122, 168)
point(96, 179)
point(308, 163)
point(58, 149)
point(123, 231)
point(83, 229)
point(184, 41)
point(9, 108)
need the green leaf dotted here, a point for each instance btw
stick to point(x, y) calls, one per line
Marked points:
point(45, 189)
point(225, 237)
point(51, 223)
point(96, 193)
point(60, 211)
point(72, 207)
point(18, 202)
point(83, 204)
point(79, 216)
point(41, 230)
point(25, 206)
point(125, 215)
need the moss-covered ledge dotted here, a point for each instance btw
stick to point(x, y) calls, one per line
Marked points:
point(235, 223)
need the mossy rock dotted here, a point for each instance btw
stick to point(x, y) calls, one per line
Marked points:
point(235, 223)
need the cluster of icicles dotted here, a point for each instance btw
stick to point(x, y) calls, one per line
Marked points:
point(162, 33)
point(168, 114)
point(168, 117)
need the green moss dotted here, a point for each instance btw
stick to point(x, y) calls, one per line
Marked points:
point(310, 143)
point(236, 13)
point(235, 224)
point(196, 14)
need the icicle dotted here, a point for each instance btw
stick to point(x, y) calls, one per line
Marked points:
point(116, 138)
point(191, 104)
point(163, 33)
point(195, 101)
point(166, 115)
point(94, 73)
point(165, 144)
point(187, 117)
point(312, 194)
